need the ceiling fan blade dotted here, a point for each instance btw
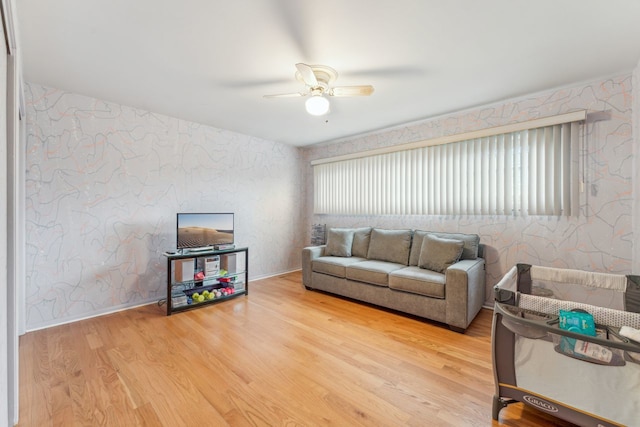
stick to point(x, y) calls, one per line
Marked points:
point(306, 72)
point(286, 95)
point(364, 90)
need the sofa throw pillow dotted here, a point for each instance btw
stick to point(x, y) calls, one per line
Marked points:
point(390, 245)
point(471, 243)
point(437, 254)
point(339, 242)
point(469, 250)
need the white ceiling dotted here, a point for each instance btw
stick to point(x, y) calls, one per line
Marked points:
point(211, 61)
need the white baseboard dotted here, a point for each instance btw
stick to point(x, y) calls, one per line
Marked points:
point(123, 307)
point(98, 313)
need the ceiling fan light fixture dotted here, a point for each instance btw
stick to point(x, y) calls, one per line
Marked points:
point(317, 105)
point(318, 81)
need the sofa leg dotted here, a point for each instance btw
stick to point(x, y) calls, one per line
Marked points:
point(457, 329)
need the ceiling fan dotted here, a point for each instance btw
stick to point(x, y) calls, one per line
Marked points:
point(318, 80)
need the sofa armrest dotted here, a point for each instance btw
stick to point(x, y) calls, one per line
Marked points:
point(464, 291)
point(308, 255)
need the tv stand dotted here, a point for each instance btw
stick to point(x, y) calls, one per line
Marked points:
point(205, 276)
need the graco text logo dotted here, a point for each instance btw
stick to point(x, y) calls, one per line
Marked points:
point(542, 404)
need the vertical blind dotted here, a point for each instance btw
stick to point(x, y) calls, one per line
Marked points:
point(526, 172)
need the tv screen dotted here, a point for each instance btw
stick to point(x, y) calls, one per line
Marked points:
point(201, 230)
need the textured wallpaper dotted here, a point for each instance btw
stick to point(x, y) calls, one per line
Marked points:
point(104, 183)
point(635, 178)
point(599, 239)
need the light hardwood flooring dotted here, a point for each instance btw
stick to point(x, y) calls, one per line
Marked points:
point(281, 356)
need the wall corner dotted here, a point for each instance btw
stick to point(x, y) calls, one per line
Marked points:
point(635, 173)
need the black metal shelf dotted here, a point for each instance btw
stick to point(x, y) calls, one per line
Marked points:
point(203, 303)
point(209, 283)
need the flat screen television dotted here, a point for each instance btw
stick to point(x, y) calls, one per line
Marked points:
point(204, 230)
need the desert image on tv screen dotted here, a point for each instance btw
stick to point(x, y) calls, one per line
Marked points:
point(198, 230)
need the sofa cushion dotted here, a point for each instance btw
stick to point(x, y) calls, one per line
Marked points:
point(390, 245)
point(469, 250)
point(339, 242)
point(438, 254)
point(371, 271)
point(361, 238)
point(334, 266)
point(418, 281)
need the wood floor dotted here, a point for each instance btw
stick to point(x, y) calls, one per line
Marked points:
point(281, 356)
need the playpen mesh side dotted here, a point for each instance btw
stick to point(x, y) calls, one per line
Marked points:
point(602, 315)
point(590, 279)
point(593, 288)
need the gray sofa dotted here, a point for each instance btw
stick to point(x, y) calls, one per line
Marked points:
point(438, 276)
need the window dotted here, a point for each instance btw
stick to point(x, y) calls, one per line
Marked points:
point(529, 171)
